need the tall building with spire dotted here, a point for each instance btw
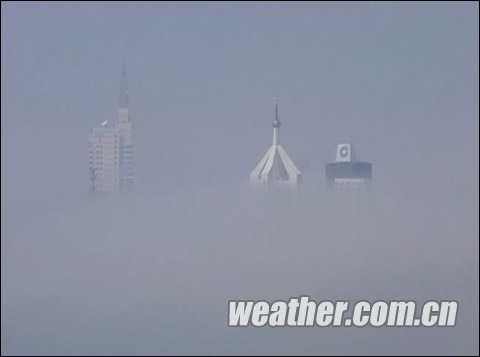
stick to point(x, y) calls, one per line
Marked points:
point(111, 149)
point(276, 169)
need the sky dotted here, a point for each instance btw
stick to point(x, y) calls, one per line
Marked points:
point(152, 272)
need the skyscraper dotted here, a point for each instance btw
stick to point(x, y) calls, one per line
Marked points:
point(276, 169)
point(111, 149)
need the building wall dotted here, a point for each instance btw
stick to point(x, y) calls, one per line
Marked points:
point(126, 164)
point(111, 159)
point(104, 160)
point(348, 175)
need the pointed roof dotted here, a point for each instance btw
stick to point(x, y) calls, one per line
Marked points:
point(123, 100)
point(276, 167)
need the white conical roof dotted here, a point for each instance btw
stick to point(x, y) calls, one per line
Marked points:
point(276, 167)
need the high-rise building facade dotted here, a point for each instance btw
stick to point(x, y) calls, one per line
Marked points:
point(111, 149)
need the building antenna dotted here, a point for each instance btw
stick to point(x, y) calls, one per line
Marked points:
point(276, 106)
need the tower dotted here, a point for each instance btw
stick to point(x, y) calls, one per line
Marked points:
point(276, 169)
point(124, 125)
point(111, 149)
point(123, 118)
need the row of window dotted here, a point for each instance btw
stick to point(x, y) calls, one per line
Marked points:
point(101, 151)
point(100, 167)
point(101, 145)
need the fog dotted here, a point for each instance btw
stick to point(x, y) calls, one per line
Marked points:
point(152, 271)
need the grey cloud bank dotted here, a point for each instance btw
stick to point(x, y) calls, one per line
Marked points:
point(154, 276)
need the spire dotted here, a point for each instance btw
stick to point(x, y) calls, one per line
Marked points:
point(123, 101)
point(276, 106)
point(276, 168)
point(276, 125)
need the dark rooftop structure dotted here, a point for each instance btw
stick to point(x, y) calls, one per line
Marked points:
point(346, 172)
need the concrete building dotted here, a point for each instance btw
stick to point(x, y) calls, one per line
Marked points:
point(346, 173)
point(276, 169)
point(111, 149)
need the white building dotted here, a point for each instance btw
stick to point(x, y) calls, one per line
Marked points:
point(111, 149)
point(276, 169)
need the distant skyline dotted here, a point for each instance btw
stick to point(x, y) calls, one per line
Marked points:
point(400, 80)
